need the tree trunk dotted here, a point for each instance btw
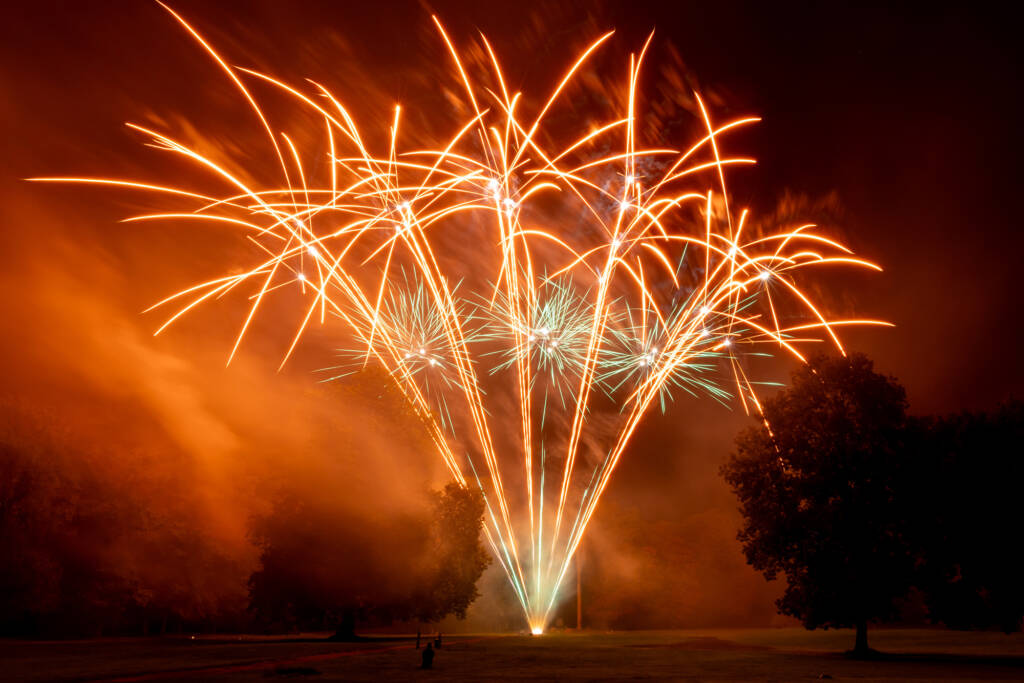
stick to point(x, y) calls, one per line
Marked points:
point(346, 630)
point(860, 648)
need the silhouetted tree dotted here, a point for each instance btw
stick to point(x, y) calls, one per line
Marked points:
point(330, 566)
point(816, 490)
point(323, 565)
point(81, 555)
point(457, 557)
point(967, 511)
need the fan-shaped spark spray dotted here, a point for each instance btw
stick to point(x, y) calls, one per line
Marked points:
point(657, 290)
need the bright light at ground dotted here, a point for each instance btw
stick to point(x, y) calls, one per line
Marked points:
point(536, 630)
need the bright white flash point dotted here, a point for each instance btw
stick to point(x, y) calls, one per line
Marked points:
point(422, 351)
point(314, 252)
point(704, 310)
point(537, 630)
point(433, 361)
point(727, 342)
point(404, 206)
point(765, 275)
point(492, 185)
point(630, 179)
point(509, 202)
point(302, 276)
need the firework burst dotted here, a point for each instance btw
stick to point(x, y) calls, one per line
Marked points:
point(663, 290)
point(556, 329)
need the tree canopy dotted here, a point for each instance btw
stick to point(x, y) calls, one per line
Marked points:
point(457, 557)
point(816, 486)
point(324, 568)
point(966, 505)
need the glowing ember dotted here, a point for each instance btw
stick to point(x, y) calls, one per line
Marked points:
point(623, 294)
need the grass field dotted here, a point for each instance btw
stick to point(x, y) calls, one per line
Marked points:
point(736, 654)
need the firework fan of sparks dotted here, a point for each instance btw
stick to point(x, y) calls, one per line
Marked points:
point(660, 291)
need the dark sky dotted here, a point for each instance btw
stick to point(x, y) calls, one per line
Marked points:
point(910, 115)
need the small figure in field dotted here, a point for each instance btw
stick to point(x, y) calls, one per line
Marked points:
point(417, 639)
point(437, 641)
point(428, 658)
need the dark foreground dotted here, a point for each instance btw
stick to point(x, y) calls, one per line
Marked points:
point(739, 655)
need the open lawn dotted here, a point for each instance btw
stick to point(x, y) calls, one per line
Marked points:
point(727, 654)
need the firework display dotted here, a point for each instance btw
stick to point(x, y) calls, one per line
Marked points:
point(531, 292)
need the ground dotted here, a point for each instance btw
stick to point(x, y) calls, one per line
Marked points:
point(786, 654)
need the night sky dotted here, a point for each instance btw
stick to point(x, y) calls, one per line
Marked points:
point(909, 116)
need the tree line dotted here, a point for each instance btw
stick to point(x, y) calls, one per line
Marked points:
point(865, 509)
point(87, 553)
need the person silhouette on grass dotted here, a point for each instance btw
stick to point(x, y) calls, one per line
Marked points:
point(428, 657)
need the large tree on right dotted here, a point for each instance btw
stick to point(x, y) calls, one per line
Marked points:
point(816, 486)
